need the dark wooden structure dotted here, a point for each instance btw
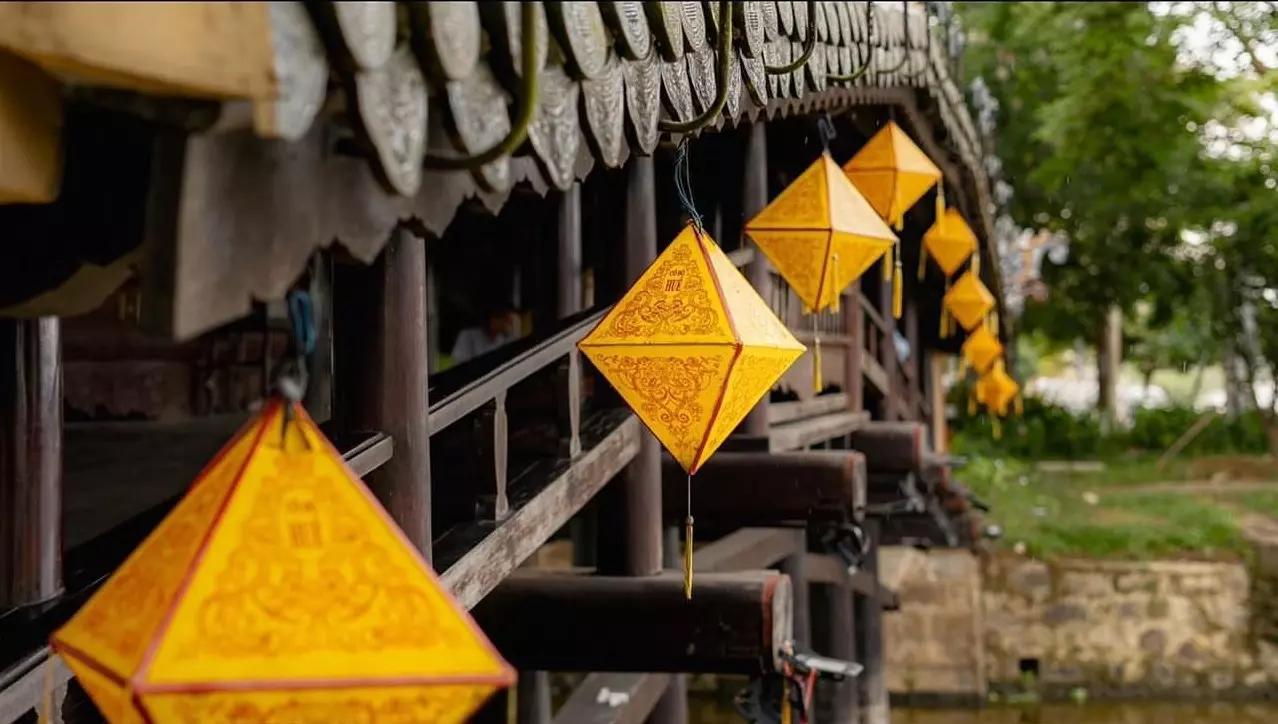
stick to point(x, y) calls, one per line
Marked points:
point(400, 169)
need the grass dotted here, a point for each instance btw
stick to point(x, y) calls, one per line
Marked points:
point(1108, 515)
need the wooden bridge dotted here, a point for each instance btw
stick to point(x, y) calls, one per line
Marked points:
point(168, 200)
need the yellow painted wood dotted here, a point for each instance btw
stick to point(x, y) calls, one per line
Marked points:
point(30, 133)
point(198, 49)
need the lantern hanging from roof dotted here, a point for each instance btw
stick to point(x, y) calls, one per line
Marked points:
point(950, 242)
point(821, 235)
point(980, 349)
point(691, 347)
point(893, 173)
point(999, 394)
point(967, 302)
point(278, 588)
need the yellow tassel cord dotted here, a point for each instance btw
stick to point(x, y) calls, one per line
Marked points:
point(971, 405)
point(787, 714)
point(898, 290)
point(976, 263)
point(998, 427)
point(687, 546)
point(946, 322)
point(817, 383)
point(962, 366)
point(1019, 405)
point(887, 265)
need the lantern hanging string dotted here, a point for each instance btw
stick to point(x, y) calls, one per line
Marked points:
point(683, 188)
point(291, 377)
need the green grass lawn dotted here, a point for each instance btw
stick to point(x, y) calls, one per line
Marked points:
point(1108, 515)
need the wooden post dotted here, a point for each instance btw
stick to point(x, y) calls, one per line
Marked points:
point(913, 396)
point(887, 352)
point(834, 635)
point(672, 707)
point(853, 358)
point(383, 375)
point(754, 197)
point(30, 461)
point(869, 611)
point(940, 425)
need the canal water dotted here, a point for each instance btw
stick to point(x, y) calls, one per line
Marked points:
point(707, 711)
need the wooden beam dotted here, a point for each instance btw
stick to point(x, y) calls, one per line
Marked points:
point(781, 412)
point(830, 570)
point(774, 489)
point(475, 558)
point(802, 434)
point(613, 698)
point(748, 549)
point(892, 446)
point(735, 623)
point(30, 461)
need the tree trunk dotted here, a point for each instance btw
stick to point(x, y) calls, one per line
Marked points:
point(1196, 388)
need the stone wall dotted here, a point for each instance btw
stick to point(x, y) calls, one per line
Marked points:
point(932, 646)
point(1121, 629)
point(1159, 629)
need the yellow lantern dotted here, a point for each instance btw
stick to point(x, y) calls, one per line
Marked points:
point(980, 349)
point(821, 235)
point(967, 301)
point(892, 173)
point(691, 348)
point(998, 392)
point(950, 242)
point(278, 590)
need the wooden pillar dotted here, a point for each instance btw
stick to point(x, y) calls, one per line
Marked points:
point(381, 341)
point(754, 196)
point(854, 357)
point(869, 611)
point(887, 352)
point(913, 396)
point(940, 425)
point(30, 461)
point(834, 636)
point(672, 707)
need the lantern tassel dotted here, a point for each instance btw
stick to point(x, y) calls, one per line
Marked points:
point(687, 546)
point(940, 205)
point(922, 261)
point(1020, 405)
point(898, 290)
point(998, 427)
point(976, 263)
point(787, 713)
point(817, 383)
point(887, 264)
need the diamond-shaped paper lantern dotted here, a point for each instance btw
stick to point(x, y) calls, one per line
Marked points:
point(980, 349)
point(968, 301)
point(821, 234)
point(892, 173)
point(278, 590)
point(950, 242)
point(691, 347)
point(997, 390)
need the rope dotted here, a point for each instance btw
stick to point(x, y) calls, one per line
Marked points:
point(683, 186)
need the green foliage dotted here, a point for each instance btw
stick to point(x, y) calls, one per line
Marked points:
point(1078, 516)
point(1046, 431)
